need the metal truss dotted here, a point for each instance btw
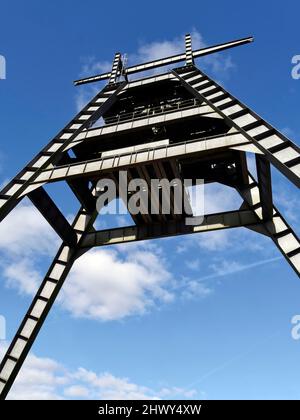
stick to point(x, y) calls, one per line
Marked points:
point(245, 131)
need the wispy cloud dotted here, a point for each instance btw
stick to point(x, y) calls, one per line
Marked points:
point(195, 289)
point(198, 288)
point(218, 64)
point(25, 238)
point(225, 267)
point(193, 264)
point(105, 284)
point(231, 361)
point(46, 379)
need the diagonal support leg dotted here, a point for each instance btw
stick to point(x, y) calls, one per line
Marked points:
point(276, 228)
point(41, 304)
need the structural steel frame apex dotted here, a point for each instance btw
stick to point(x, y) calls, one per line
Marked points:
point(243, 131)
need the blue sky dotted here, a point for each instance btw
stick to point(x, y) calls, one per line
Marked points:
point(206, 316)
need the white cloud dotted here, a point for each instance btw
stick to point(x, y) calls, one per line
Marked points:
point(218, 64)
point(83, 96)
point(104, 284)
point(214, 241)
point(39, 379)
point(110, 387)
point(46, 379)
point(25, 237)
point(114, 283)
point(226, 267)
point(218, 198)
point(107, 285)
point(89, 67)
point(76, 391)
point(193, 264)
point(160, 49)
point(195, 289)
point(24, 232)
point(171, 392)
point(21, 275)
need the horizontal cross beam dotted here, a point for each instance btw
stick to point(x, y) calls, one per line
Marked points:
point(135, 158)
point(166, 61)
point(210, 222)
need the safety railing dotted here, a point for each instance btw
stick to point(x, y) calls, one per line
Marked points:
point(151, 111)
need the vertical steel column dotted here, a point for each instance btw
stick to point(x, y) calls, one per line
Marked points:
point(265, 186)
point(188, 50)
point(116, 67)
